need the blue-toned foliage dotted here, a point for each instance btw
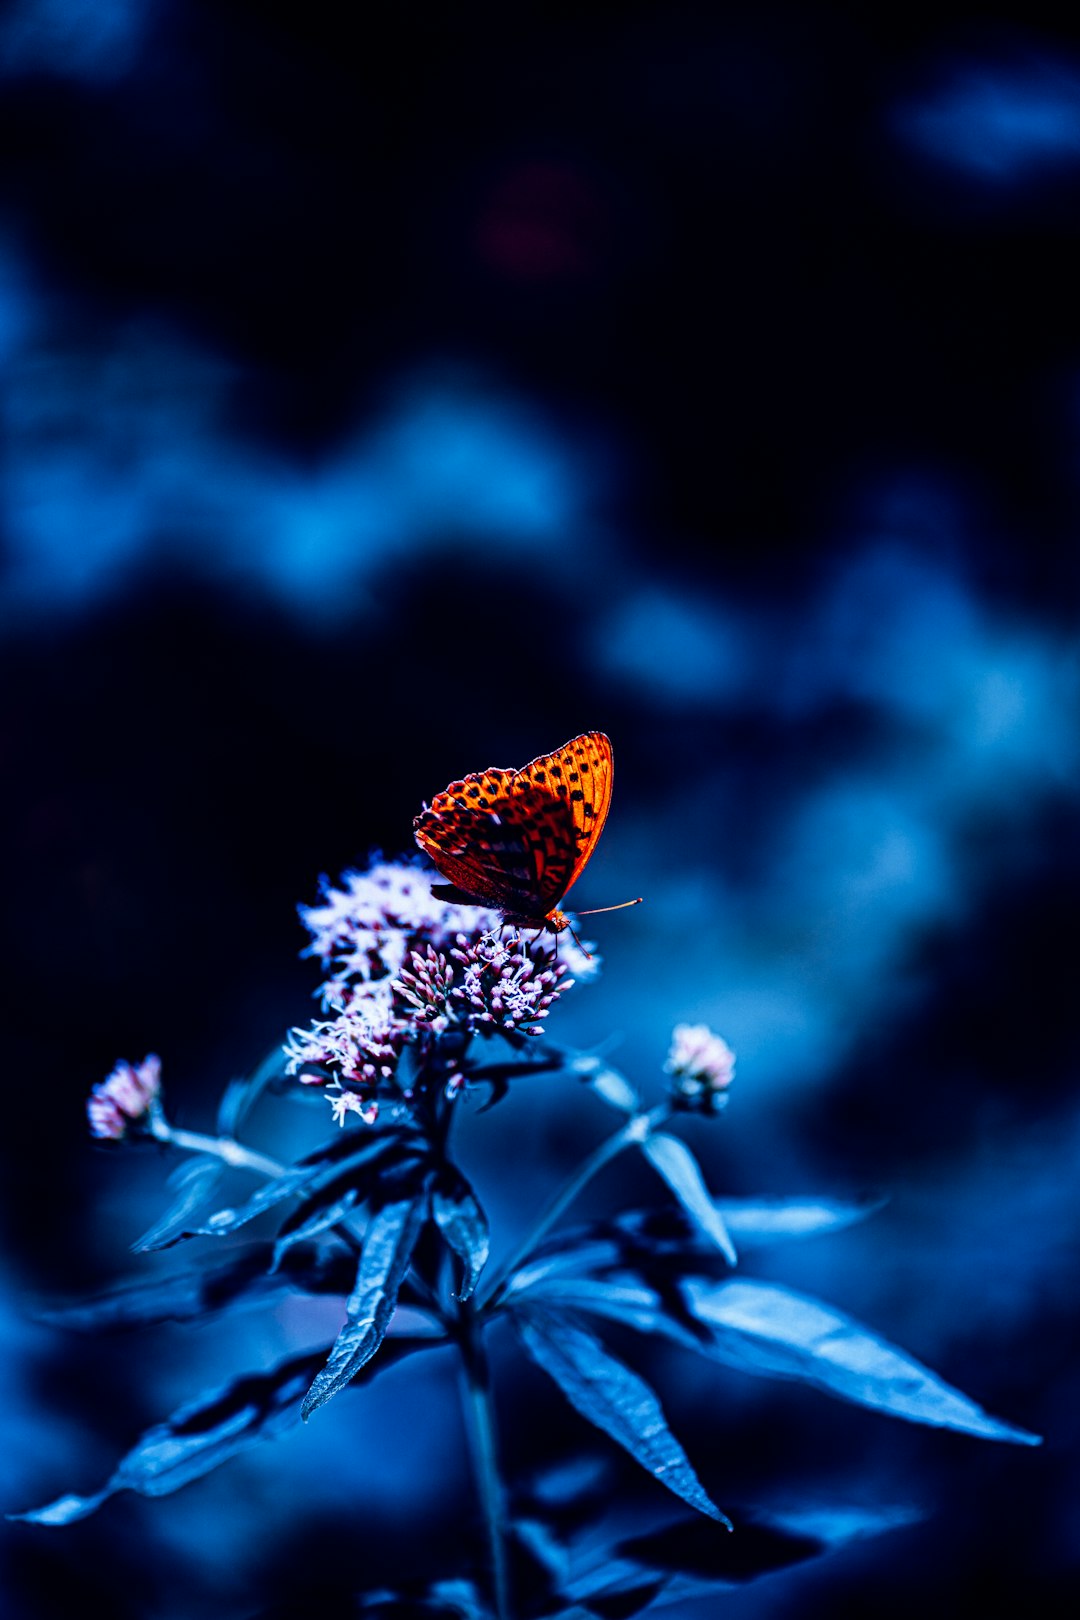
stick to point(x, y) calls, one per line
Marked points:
point(389, 1241)
point(319, 1213)
point(765, 1328)
point(206, 1432)
point(614, 1088)
point(196, 1183)
point(382, 1216)
point(253, 1275)
point(241, 1095)
point(463, 1224)
point(689, 1558)
point(682, 1173)
point(606, 1391)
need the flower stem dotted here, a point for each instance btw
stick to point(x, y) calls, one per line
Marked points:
point(635, 1130)
point(480, 1424)
point(222, 1147)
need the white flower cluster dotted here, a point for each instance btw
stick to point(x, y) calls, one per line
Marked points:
point(385, 942)
point(363, 929)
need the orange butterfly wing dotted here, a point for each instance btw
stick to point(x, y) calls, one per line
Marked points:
point(579, 775)
point(518, 840)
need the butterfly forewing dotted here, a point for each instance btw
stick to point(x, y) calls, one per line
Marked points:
point(519, 839)
point(580, 774)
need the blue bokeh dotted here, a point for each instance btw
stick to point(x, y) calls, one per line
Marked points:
point(999, 123)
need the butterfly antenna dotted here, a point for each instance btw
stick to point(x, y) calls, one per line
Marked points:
point(620, 907)
point(593, 912)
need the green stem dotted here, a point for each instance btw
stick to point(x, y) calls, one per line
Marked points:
point(222, 1147)
point(634, 1131)
point(480, 1425)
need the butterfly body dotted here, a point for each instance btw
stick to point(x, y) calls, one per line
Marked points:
point(518, 840)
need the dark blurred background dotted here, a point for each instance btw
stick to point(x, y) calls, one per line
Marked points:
point(388, 397)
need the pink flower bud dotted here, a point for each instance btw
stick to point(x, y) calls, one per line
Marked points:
point(124, 1098)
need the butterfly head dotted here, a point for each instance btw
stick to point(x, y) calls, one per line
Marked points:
point(556, 922)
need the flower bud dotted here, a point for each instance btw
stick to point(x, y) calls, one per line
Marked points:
point(124, 1098)
point(702, 1067)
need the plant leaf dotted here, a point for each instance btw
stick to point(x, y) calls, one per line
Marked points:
point(245, 1279)
point(344, 1162)
point(611, 1086)
point(675, 1162)
point(604, 1390)
point(194, 1181)
point(754, 1221)
point(689, 1558)
point(205, 1433)
point(240, 1096)
point(288, 1185)
point(463, 1224)
point(766, 1328)
point(765, 1541)
point(437, 1600)
point(620, 1298)
point(315, 1215)
point(579, 1249)
point(391, 1236)
point(775, 1220)
point(637, 1235)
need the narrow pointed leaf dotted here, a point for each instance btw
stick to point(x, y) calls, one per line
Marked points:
point(765, 1328)
point(464, 1225)
point(65, 1509)
point(194, 1182)
point(754, 1221)
point(240, 1096)
point(434, 1600)
point(195, 1294)
point(288, 1185)
point(776, 1220)
point(636, 1234)
point(611, 1086)
point(313, 1216)
point(619, 1298)
point(196, 1438)
point(208, 1431)
point(344, 1162)
point(604, 1390)
point(388, 1245)
point(674, 1161)
point(690, 1558)
point(579, 1249)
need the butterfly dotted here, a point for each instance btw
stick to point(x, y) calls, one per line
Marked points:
point(519, 840)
